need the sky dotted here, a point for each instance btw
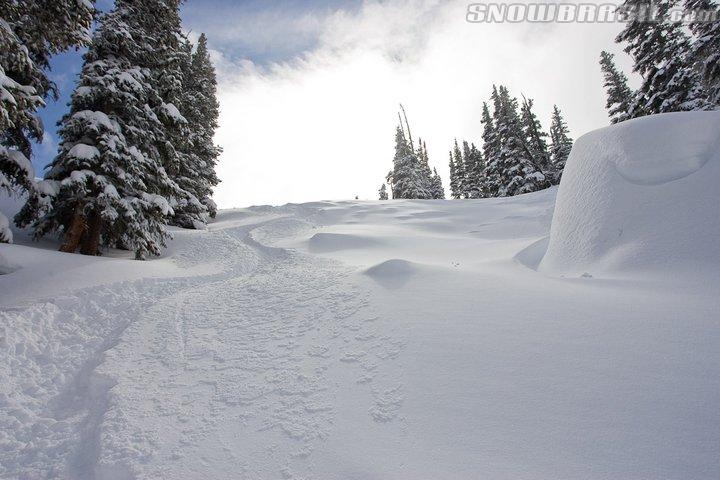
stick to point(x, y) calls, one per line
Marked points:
point(310, 89)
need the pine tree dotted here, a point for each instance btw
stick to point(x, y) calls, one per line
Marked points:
point(30, 33)
point(459, 172)
point(561, 143)
point(661, 52)
point(454, 191)
point(438, 192)
point(108, 184)
point(489, 149)
point(200, 108)
point(619, 96)
point(705, 50)
point(425, 171)
point(512, 171)
point(406, 179)
point(383, 192)
point(535, 139)
point(476, 173)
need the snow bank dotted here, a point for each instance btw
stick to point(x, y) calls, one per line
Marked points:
point(640, 196)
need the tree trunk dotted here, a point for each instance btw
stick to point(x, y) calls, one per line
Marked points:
point(91, 241)
point(75, 233)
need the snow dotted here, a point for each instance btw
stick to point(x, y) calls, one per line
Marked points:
point(347, 339)
point(96, 120)
point(84, 152)
point(639, 196)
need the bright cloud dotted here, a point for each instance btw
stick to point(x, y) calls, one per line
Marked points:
point(321, 126)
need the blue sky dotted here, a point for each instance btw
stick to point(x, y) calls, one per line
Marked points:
point(226, 22)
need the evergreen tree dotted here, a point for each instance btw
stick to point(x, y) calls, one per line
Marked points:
point(705, 50)
point(454, 190)
point(535, 139)
point(108, 184)
point(438, 192)
point(31, 31)
point(200, 108)
point(489, 149)
point(661, 51)
point(619, 96)
point(406, 178)
point(512, 171)
point(561, 143)
point(459, 171)
point(425, 171)
point(383, 192)
point(476, 173)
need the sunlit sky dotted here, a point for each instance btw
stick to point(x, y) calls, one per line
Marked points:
point(309, 89)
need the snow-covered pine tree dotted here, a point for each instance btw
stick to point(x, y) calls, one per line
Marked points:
point(468, 162)
point(619, 96)
point(425, 171)
point(383, 192)
point(406, 179)
point(489, 149)
point(561, 143)
point(513, 171)
point(454, 190)
point(705, 49)
point(459, 171)
point(201, 109)
point(535, 139)
point(108, 184)
point(31, 31)
point(476, 173)
point(438, 192)
point(661, 51)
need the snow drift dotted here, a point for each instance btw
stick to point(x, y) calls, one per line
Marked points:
point(640, 196)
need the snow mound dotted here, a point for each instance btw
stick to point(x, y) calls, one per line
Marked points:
point(392, 273)
point(640, 196)
point(333, 242)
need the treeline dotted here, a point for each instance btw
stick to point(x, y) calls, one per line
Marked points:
point(411, 176)
point(679, 63)
point(517, 156)
point(136, 148)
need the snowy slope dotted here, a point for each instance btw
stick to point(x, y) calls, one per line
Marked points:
point(357, 340)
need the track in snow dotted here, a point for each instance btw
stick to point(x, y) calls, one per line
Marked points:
point(187, 377)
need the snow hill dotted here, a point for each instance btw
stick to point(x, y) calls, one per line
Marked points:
point(641, 196)
point(364, 340)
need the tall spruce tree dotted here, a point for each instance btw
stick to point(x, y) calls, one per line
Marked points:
point(661, 51)
point(200, 108)
point(619, 96)
point(459, 171)
point(31, 32)
point(561, 143)
point(535, 139)
point(705, 49)
point(513, 171)
point(489, 148)
point(108, 183)
point(405, 178)
point(454, 190)
point(475, 172)
point(437, 190)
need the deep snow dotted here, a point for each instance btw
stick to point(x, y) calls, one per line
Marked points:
point(361, 340)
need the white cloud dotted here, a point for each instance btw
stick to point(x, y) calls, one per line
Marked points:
point(321, 126)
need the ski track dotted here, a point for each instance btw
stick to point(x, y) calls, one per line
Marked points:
point(179, 378)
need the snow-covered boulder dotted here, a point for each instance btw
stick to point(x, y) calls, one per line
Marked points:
point(638, 196)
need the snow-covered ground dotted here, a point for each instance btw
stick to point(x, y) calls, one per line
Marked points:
point(370, 340)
